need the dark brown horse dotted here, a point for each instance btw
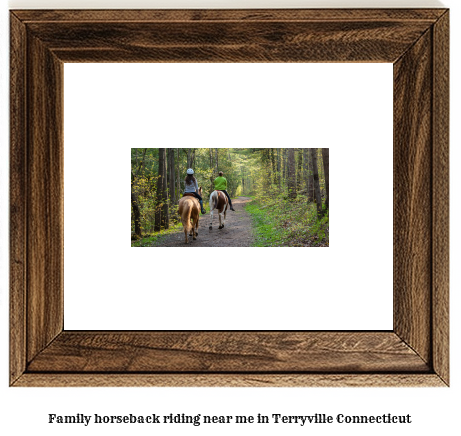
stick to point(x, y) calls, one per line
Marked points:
point(218, 201)
point(189, 209)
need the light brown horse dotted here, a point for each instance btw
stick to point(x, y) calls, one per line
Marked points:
point(189, 209)
point(218, 201)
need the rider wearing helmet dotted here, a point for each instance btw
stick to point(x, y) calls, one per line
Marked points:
point(191, 187)
point(220, 184)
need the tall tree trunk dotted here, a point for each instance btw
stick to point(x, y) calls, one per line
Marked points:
point(161, 211)
point(318, 198)
point(279, 161)
point(291, 174)
point(306, 170)
point(266, 156)
point(320, 168)
point(134, 197)
point(326, 169)
point(158, 202)
point(192, 160)
point(178, 183)
point(171, 176)
point(299, 171)
point(274, 169)
point(285, 164)
point(212, 172)
point(137, 214)
point(165, 213)
point(310, 178)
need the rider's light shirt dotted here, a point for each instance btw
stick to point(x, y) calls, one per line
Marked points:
point(191, 188)
point(220, 184)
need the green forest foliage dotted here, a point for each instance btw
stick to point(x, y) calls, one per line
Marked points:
point(280, 218)
point(279, 222)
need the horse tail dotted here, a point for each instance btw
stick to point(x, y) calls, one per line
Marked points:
point(188, 215)
point(213, 202)
point(185, 212)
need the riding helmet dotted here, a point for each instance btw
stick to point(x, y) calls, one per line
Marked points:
point(190, 171)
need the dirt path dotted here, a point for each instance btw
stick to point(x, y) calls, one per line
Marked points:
point(236, 232)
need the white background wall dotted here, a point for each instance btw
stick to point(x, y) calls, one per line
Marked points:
point(26, 410)
point(345, 107)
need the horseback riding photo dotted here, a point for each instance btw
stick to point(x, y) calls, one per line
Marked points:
point(263, 197)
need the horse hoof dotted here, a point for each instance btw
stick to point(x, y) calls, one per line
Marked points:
point(211, 228)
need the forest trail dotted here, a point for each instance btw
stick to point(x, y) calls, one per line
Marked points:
point(236, 232)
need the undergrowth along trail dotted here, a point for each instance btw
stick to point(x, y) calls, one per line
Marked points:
point(279, 222)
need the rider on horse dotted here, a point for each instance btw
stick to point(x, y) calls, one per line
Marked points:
point(220, 184)
point(191, 187)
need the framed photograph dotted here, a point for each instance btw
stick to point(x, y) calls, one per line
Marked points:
point(414, 353)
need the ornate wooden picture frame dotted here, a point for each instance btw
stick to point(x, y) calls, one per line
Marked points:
point(414, 353)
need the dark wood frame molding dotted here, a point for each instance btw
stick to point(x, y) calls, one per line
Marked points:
point(414, 353)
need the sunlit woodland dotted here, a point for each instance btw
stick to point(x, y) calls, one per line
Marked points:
point(286, 191)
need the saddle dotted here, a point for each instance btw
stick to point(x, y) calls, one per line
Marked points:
point(188, 194)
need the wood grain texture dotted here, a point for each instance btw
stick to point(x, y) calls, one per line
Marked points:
point(18, 212)
point(441, 199)
point(44, 197)
point(415, 354)
point(243, 41)
point(229, 35)
point(413, 197)
point(227, 352)
point(184, 15)
point(230, 380)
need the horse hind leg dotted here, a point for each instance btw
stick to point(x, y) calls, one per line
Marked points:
point(195, 228)
point(212, 207)
point(211, 220)
point(223, 214)
point(221, 224)
point(185, 232)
